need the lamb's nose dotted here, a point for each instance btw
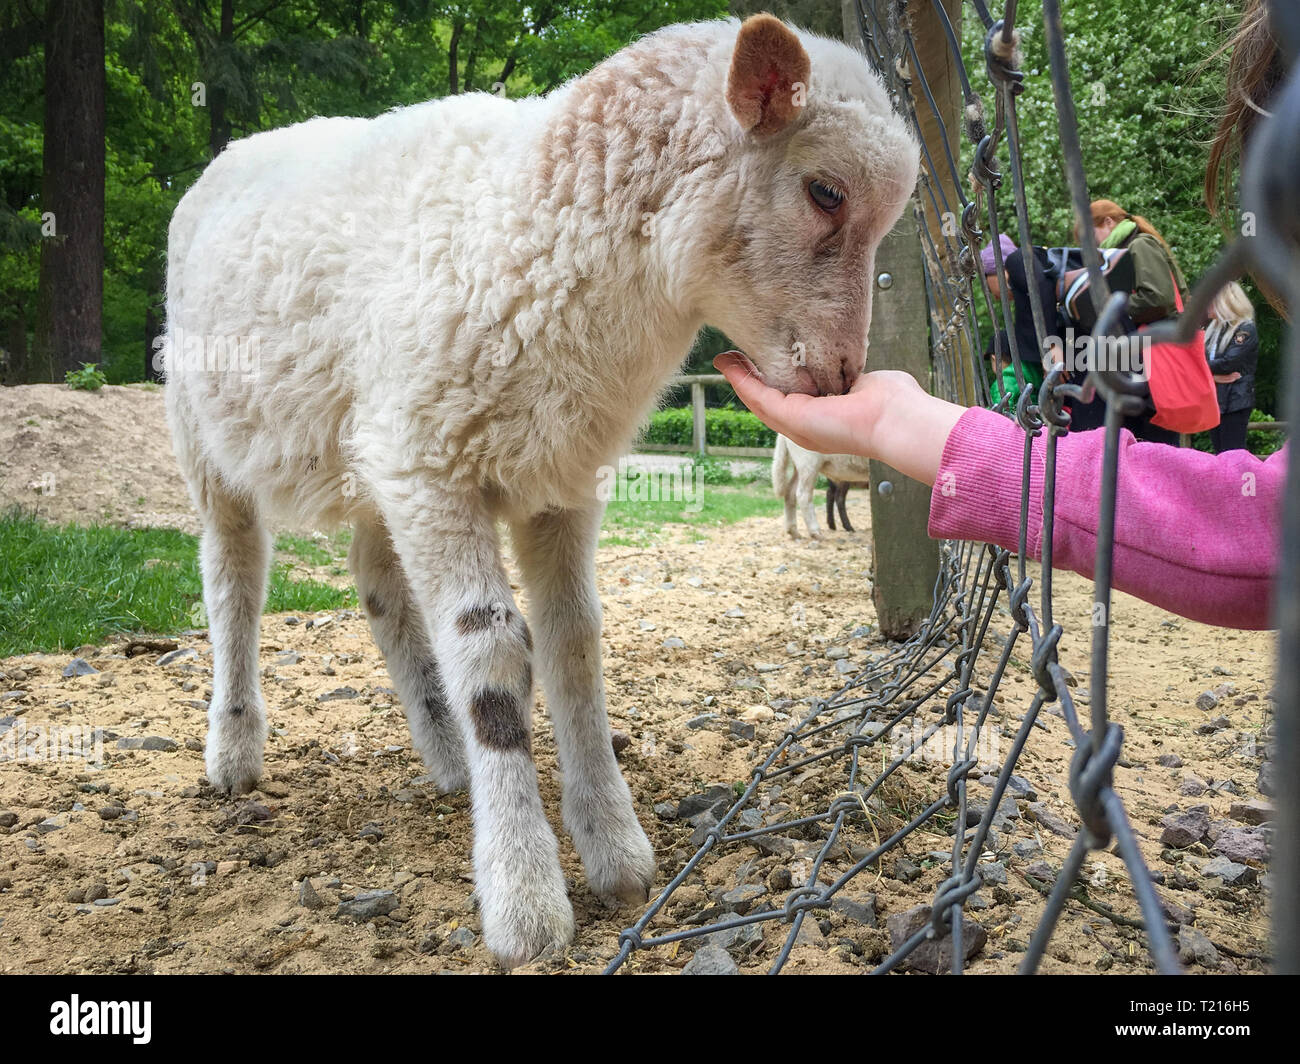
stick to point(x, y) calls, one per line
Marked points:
point(850, 371)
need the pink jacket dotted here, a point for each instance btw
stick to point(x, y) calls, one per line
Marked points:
point(1195, 534)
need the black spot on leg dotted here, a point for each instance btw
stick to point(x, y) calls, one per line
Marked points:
point(476, 619)
point(236, 711)
point(375, 605)
point(499, 721)
point(432, 693)
point(528, 634)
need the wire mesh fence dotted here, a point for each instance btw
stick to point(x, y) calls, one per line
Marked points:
point(922, 715)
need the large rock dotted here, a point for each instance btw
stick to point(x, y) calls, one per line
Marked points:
point(1242, 845)
point(1253, 812)
point(933, 955)
point(1185, 829)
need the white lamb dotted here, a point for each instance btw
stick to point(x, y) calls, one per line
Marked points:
point(797, 490)
point(456, 314)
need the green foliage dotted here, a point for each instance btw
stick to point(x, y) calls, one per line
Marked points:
point(722, 428)
point(1146, 85)
point(86, 379)
point(61, 586)
point(172, 78)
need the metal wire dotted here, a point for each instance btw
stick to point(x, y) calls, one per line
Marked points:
point(931, 682)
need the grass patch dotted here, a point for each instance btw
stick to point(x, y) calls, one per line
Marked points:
point(65, 585)
point(633, 522)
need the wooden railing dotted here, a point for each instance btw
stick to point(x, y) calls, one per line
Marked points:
point(699, 427)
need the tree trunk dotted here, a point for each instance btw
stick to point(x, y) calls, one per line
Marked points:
point(218, 119)
point(69, 327)
point(453, 75)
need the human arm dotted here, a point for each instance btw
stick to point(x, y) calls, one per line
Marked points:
point(1240, 355)
point(1196, 534)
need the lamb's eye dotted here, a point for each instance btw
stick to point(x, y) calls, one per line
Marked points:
point(827, 197)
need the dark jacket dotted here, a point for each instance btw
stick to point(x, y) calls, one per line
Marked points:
point(1239, 355)
point(1152, 298)
point(1022, 312)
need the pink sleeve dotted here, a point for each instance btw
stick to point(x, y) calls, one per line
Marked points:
point(1195, 534)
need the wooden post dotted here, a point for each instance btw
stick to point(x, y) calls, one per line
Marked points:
point(905, 559)
point(699, 421)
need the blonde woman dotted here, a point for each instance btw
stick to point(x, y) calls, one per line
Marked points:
point(1232, 348)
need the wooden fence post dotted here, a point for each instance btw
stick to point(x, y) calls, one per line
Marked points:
point(904, 558)
point(699, 421)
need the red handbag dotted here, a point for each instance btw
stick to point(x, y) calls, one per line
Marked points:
point(1181, 385)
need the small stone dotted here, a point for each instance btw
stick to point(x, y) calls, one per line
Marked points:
point(94, 892)
point(1169, 761)
point(177, 655)
point(837, 653)
point(905, 870)
point(148, 742)
point(339, 694)
point(1232, 874)
point(461, 938)
point(741, 899)
point(53, 823)
point(673, 643)
point(700, 721)
point(1041, 871)
point(862, 909)
point(1206, 701)
point(779, 880)
point(1022, 788)
point(1214, 726)
point(1252, 812)
point(1051, 820)
point(8, 820)
point(274, 788)
point(368, 904)
point(79, 667)
point(934, 955)
point(1264, 783)
point(372, 833)
point(111, 812)
point(1194, 946)
point(1192, 787)
point(308, 897)
point(741, 730)
point(288, 657)
point(711, 960)
point(992, 872)
point(1185, 829)
point(1026, 848)
point(738, 941)
point(716, 799)
point(619, 740)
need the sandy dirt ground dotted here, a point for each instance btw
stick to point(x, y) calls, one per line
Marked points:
point(131, 863)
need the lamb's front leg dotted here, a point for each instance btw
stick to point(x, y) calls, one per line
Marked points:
point(449, 550)
point(556, 551)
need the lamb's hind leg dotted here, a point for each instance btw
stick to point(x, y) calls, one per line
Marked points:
point(234, 555)
point(402, 637)
point(556, 551)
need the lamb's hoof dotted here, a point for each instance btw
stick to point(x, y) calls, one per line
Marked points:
point(620, 863)
point(232, 775)
point(792, 534)
point(527, 922)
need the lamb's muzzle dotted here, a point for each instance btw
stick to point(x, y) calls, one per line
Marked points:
point(460, 312)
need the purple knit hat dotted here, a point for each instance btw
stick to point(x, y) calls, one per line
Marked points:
point(986, 255)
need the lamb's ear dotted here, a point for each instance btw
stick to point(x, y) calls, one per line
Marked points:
point(768, 80)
